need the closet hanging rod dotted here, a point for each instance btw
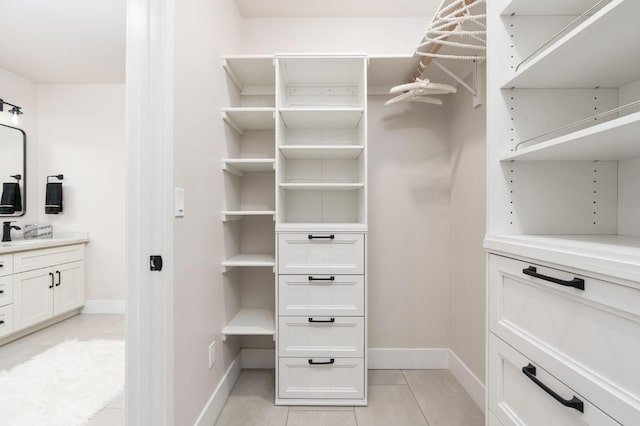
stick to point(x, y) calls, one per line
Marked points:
point(559, 33)
point(577, 123)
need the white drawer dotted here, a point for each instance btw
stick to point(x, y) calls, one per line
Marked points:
point(341, 295)
point(6, 290)
point(6, 320)
point(320, 336)
point(6, 264)
point(516, 400)
point(37, 259)
point(321, 253)
point(589, 336)
point(339, 378)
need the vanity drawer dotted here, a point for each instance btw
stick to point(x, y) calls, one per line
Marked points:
point(515, 399)
point(6, 264)
point(588, 336)
point(37, 259)
point(6, 320)
point(6, 290)
point(321, 253)
point(336, 378)
point(341, 295)
point(321, 336)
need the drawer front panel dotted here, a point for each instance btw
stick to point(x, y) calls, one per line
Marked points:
point(516, 400)
point(342, 379)
point(6, 290)
point(37, 259)
point(324, 337)
point(340, 295)
point(6, 264)
point(596, 328)
point(6, 320)
point(342, 254)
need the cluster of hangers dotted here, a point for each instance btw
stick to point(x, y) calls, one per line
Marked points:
point(456, 25)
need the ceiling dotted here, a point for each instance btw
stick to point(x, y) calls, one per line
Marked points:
point(64, 41)
point(336, 8)
point(83, 41)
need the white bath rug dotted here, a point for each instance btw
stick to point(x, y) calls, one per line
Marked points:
point(63, 386)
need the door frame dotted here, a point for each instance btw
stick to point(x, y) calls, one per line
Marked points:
point(149, 212)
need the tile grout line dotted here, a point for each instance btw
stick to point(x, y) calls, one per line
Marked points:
point(286, 421)
point(415, 399)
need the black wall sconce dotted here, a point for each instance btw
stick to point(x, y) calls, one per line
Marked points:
point(15, 110)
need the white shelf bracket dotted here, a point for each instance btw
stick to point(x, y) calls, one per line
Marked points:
point(228, 168)
point(232, 123)
point(451, 74)
point(232, 74)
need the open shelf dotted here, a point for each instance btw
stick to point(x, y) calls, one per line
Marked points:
point(609, 141)
point(231, 215)
point(614, 255)
point(585, 57)
point(321, 186)
point(238, 166)
point(547, 7)
point(252, 74)
point(251, 322)
point(321, 152)
point(249, 260)
point(249, 118)
point(317, 118)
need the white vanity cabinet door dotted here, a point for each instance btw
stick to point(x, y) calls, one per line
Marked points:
point(33, 297)
point(321, 253)
point(6, 290)
point(6, 264)
point(6, 320)
point(69, 287)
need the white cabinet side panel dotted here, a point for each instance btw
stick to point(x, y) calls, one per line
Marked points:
point(629, 197)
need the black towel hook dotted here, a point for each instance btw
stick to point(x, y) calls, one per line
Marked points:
point(16, 177)
point(59, 177)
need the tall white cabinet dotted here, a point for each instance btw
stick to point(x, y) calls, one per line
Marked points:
point(299, 139)
point(563, 236)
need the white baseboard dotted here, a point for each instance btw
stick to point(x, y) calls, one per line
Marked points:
point(468, 380)
point(214, 406)
point(408, 358)
point(258, 358)
point(104, 307)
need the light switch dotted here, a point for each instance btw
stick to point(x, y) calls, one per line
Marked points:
point(179, 202)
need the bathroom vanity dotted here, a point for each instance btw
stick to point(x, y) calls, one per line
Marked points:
point(41, 282)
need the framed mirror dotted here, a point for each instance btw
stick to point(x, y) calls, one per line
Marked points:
point(13, 171)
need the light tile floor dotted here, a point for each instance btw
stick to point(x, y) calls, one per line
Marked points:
point(396, 398)
point(81, 327)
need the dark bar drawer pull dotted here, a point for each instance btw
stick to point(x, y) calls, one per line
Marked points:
point(1, 291)
point(331, 278)
point(52, 280)
point(322, 237)
point(312, 362)
point(575, 283)
point(321, 321)
point(1, 322)
point(575, 403)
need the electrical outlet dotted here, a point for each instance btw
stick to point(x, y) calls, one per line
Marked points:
point(212, 354)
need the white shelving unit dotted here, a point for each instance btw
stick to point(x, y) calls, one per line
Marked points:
point(250, 322)
point(250, 210)
point(562, 208)
point(321, 175)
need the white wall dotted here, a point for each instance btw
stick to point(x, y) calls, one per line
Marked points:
point(24, 93)
point(204, 30)
point(409, 256)
point(361, 35)
point(81, 129)
point(467, 134)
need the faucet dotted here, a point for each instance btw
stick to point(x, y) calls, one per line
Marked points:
point(6, 231)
